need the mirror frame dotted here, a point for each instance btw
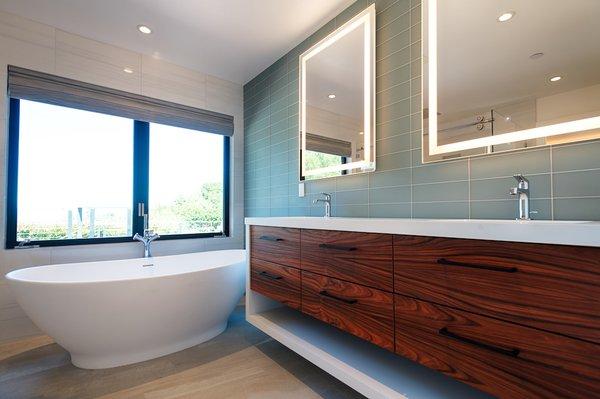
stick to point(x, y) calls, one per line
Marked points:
point(429, 15)
point(366, 18)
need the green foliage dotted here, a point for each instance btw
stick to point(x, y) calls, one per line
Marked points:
point(200, 212)
point(58, 232)
point(317, 160)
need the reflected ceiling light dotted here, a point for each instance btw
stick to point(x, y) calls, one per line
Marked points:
point(331, 96)
point(535, 56)
point(144, 29)
point(507, 16)
point(555, 78)
point(361, 133)
point(127, 70)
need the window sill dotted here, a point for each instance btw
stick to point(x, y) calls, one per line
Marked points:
point(109, 240)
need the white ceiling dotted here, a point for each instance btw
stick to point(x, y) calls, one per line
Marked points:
point(339, 70)
point(231, 39)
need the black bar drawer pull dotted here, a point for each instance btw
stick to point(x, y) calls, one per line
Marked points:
point(447, 262)
point(337, 247)
point(271, 238)
point(337, 298)
point(508, 352)
point(271, 276)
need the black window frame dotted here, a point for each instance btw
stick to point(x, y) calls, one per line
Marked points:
point(141, 182)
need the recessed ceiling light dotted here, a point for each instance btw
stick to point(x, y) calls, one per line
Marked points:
point(331, 96)
point(506, 16)
point(555, 78)
point(144, 29)
point(127, 70)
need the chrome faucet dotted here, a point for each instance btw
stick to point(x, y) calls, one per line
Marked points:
point(522, 191)
point(327, 202)
point(146, 239)
point(149, 235)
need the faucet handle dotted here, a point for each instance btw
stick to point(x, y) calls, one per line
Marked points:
point(513, 191)
point(520, 178)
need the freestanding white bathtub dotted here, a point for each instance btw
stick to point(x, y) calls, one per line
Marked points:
point(113, 313)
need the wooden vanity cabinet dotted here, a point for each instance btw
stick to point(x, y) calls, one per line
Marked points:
point(278, 282)
point(275, 244)
point(550, 287)
point(274, 264)
point(362, 258)
point(360, 310)
point(505, 359)
point(513, 319)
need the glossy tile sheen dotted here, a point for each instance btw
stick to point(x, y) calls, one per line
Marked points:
point(508, 209)
point(240, 363)
point(577, 184)
point(498, 188)
point(483, 180)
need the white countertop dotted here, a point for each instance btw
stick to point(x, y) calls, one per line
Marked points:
point(536, 231)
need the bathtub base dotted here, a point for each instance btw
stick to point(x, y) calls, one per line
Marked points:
point(104, 361)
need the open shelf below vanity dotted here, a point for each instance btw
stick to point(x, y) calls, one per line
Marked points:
point(370, 370)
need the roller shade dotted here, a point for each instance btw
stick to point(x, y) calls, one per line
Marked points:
point(327, 145)
point(38, 86)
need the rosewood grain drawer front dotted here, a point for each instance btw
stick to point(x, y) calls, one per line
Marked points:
point(365, 312)
point(505, 359)
point(551, 287)
point(275, 244)
point(277, 282)
point(364, 258)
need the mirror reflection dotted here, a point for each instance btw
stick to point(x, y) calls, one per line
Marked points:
point(333, 101)
point(520, 66)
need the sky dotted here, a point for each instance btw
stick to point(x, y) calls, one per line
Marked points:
point(71, 158)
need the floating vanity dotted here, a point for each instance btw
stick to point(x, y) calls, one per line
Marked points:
point(510, 308)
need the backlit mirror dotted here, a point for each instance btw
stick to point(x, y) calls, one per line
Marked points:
point(501, 75)
point(337, 113)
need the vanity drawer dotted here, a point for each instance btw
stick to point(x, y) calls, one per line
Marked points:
point(275, 244)
point(365, 312)
point(505, 359)
point(277, 282)
point(364, 258)
point(551, 287)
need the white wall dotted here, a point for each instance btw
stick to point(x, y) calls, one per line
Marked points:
point(43, 48)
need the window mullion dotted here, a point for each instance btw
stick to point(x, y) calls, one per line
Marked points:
point(141, 174)
point(13, 174)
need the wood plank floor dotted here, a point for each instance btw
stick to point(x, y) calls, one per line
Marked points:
point(240, 363)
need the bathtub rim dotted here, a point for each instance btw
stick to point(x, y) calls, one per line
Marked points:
point(11, 279)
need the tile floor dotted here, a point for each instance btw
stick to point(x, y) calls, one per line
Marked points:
point(240, 363)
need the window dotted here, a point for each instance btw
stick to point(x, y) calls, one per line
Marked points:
point(77, 176)
point(186, 185)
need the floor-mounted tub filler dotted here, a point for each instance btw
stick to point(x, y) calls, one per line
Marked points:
point(113, 313)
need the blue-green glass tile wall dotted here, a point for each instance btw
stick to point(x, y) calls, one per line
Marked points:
point(565, 179)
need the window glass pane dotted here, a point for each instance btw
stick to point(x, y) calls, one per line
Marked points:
point(75, 173)
point(186, 181)
point(318, 160)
